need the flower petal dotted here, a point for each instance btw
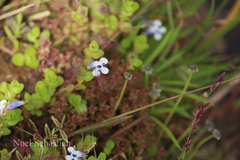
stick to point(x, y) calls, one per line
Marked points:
point(163, 29)
point(148, 31)
point(104, 70)
point(68, 157)
point(157, 23)
point(104, 60)
point(153, 29)
point(15, 104)
point(92, 64)
point(70, 150)
point(79, 154)
point(96, 72)
point(2, 105)
point(157, 36)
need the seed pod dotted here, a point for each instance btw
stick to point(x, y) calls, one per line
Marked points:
point(193, 68)
point(217, 134)
point(128, 75)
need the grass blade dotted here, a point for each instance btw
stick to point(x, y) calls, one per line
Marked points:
point(170, 134)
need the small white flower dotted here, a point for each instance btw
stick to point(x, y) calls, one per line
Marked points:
point(156, 29)
point(74, 155)
point(99, 67)
point(3, 103)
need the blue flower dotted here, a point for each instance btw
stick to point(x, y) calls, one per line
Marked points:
point(5, 105)
point(15, 104)
point(99, 67)
point(74, 155)
point(156, 29)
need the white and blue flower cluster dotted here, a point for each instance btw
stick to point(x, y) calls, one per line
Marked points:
point(155, 28)
point(4, 104)
point(99, 66)
point(74, 155)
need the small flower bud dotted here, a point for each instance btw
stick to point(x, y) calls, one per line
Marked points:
point(205, 94)
point(206, 105)
point(214, 86)
point(193, 68)
point(128, 75)
point(131, 56)
point(217, 134)
point(147, 69)
point(218, 82)
point(154, 94)
point(157, 87)
point(187, 145)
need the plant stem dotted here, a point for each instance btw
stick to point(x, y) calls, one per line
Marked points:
point(22, 9)
point(175, 106)
point(171, 98)
point(103, 124)
point(179, 99)
point(6, 50)
point(184, 152)
point(170, 15)
point(24, 131)
point(199, 145)
point(234, 12)
point(180, 138)
point(121, 95)
point(196, 137)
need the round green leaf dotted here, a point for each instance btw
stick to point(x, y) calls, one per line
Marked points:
point(130, 7)
point(140, 43)
point(6, 131)
point(107, 151)
point(31, 61)
point(110, 144)
point(89, 76)
point(42, 91)
point(50, 76)
point(46, 33)
point(3, 87)
point(15, 87)
point(102, 156)
point(75, 100)
point(31, 51)
point(36, 31)
point(136, 62)
point(31, 37)
point(18, 59)
point(112, 22)
point(93, 46)
point(98, 54)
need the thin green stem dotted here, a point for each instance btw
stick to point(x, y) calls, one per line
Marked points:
point(121, 95)
point(171, 98)
point(184, 151)
point(202, 131)
point(170, 16)
point(179, 99)
point(195, 139)
point(197, 136)
point(182, 136)
point(24, 131)
point(199, 145)
point(176, 105)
